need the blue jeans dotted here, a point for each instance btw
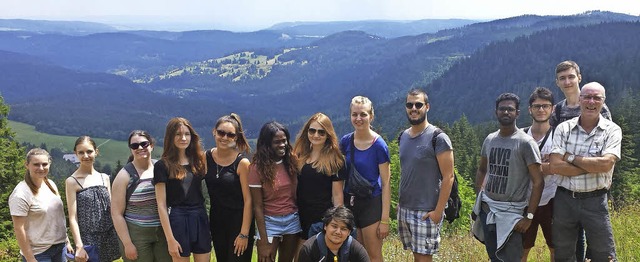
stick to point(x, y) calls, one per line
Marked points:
point(54, 254)
point(512, 250)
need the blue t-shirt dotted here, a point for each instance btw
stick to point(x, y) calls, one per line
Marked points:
point(366, 161)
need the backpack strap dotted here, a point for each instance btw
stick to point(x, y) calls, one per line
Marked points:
point(556, 111)
point(134, 180)
point(322, 246)
point(434, 138)
point(345, 249)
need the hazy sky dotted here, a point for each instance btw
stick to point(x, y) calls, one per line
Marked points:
point(258, 14)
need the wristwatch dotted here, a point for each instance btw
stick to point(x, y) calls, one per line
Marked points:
point(570, 158)
point(530, 216)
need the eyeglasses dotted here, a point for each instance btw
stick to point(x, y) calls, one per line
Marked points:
point(507, 109)
point(594, 98)
point(321, 132)
point(418, 105)
point(143, 144)
point(541, 106)
point(222, 134)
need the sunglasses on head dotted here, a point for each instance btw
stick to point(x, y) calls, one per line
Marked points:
point(143, 144)
point(321, 132)
point(222, 134)
point(418, 105)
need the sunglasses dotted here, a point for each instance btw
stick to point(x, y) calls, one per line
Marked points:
point(143, 144)
point(321, 132)
point(222, 134)
point(418, 105)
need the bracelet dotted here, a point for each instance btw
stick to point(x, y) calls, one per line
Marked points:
point(384, 222)
point(243, 236)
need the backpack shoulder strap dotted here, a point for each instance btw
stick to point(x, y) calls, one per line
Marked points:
point(134, 180)
point(345, 249)
point(434, 138)
point(321, 245)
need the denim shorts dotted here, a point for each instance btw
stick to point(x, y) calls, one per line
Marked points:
point(55, 253)
point(278, 226)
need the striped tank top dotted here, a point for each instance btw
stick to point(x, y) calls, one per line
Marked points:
point(142, 209)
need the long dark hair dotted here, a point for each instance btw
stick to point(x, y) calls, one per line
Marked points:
point(241, 139)
point(170, 155)
point(264, 158)
point(27, 177)
point(142, 133)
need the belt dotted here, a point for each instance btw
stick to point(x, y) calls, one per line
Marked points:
point(582, 195)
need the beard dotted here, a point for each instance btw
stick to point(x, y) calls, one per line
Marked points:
point(418, 121)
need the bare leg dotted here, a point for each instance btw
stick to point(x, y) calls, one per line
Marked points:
point(288, 247)
point(525, 254)
point(202, 257)
point(422, 257)
point(371, 242)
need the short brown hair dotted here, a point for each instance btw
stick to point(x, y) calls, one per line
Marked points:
point(566, 65)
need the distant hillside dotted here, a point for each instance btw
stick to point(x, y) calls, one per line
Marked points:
point(383, 28)
point(140, 53)
point(290, 83)
point(58, 27)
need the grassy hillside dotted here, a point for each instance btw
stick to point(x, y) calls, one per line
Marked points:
point(110, 151)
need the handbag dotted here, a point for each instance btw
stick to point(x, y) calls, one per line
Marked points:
point(359, 186)
point(92, 252)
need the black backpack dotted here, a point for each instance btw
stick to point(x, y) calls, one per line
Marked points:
point(454, 204)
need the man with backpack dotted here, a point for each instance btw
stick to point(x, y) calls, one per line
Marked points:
point(426, 162)
point(334, 243)
point(540, 109)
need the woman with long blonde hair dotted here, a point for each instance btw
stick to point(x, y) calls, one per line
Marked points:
point(321, 172)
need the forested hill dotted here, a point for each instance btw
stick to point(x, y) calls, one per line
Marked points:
point(464, 69)
point(607, 53)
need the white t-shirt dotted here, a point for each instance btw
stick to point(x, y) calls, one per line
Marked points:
point(46, 224)
point(550, 184)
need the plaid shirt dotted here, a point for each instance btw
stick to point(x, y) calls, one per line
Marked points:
point(604, 139)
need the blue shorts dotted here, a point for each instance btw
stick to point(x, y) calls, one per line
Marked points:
point(190, 226)
point(421, 236)
point(278, 226)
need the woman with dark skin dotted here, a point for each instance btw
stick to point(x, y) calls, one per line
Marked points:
point(272, 182)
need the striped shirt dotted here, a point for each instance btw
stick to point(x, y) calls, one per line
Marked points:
point(570, 137)
point(142, 209)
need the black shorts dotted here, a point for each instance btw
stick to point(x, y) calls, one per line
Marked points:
point(190, 226)
point(366, 211)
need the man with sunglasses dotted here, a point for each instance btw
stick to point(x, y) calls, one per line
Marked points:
point(509, 164)
point(584, 152)
point(425, 181)
point(568, 79)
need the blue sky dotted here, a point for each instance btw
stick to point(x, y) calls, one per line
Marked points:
point(247, 15)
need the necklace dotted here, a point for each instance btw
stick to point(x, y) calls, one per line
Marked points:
point(218, 169)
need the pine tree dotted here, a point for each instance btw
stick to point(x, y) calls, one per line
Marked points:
point(11, 169)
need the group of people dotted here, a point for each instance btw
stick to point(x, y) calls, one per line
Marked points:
point(299, 201)
point(555, 173)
